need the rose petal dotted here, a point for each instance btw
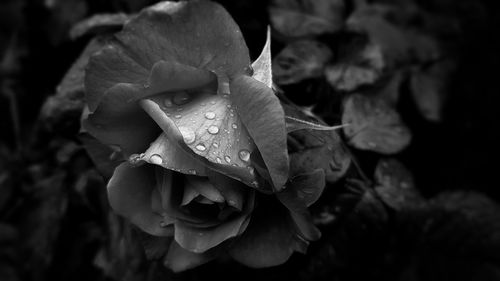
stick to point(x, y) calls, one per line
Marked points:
point(198, 239)
point(110, 66)
point(269, 240)
point(209, 125)
point(172, 132)
point(204, 187)
point(196, 33)
point(190, 194)
point(120, 123)
point(163, 152)
point(261, 112)
point(232, 190)
point(102, 155)
point(179, 259)
point(129, 192)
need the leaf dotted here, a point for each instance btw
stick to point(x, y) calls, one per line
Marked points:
point(374, 125)
point(263, 116)
point(364, 67)
point(294, 18)
point(429, 88)
point(262, 65)
point(300, 60)
point(311, 150)
point(394, 184)
point(98, 24)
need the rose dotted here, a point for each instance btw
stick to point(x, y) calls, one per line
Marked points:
point(203, 141)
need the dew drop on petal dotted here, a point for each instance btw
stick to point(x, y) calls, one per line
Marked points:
point(187, 134)
point(213, 130)
point(155, 159)
point(213, 102)
point(192, 171)
point(234, 126)
point(227, 158)
point(215, 144)
point(244, 155)
point(181, 98)
point(210, 115)
point(167, 102)
point(178, 116)
point(201, 147)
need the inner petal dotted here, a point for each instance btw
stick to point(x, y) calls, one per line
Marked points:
point(209, 125)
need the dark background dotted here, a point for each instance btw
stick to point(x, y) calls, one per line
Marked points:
point(53, 221)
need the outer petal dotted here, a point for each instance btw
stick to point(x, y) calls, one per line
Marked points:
point(269, 240)
point(179, 259)
point(198, 240)
point(129, 192)
point(196, 33)
point(261, 112)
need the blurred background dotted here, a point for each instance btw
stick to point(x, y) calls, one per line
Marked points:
point(440, 58)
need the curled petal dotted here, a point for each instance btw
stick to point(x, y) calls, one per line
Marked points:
point(233, 191)
point(174, 134)
point(261, 112)
point(129, 192)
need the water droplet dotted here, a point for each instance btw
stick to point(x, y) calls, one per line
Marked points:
point(234, 126)
point(255, 184)
point(201, 147)
point(167, 102)
point(192, 172)
point(178, 116)
point(155, 159)
point(210, 115)
point(212, 102)
point(179, 109)
point(227, 158)
point(251, 170)
point(213, 130)
point(228, 106)
point(181, 98)
point(187, 134)
point(215, 144)
point(134, 158)
point(218, 160)
point(244, 155)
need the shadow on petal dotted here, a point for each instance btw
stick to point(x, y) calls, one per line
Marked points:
point(129, 192)
point(179, 259)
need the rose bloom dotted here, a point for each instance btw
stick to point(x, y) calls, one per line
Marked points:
point(200, 138)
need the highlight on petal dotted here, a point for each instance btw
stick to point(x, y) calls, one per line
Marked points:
point(262, 65)
point(179, 259)
point(196, 33)
point(201, 239)
point(129, 192)
point(234, 166)
point(261, 112)
point(269, 240)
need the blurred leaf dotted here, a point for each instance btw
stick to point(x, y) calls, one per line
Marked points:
point(99, 24)
point(374, 125)
point(64, 14)
point(311, 150)
point(398, 43)
point(300, 60)
point(429, 87)
point(394, 184)
point(299, 18)
point(361, 68)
